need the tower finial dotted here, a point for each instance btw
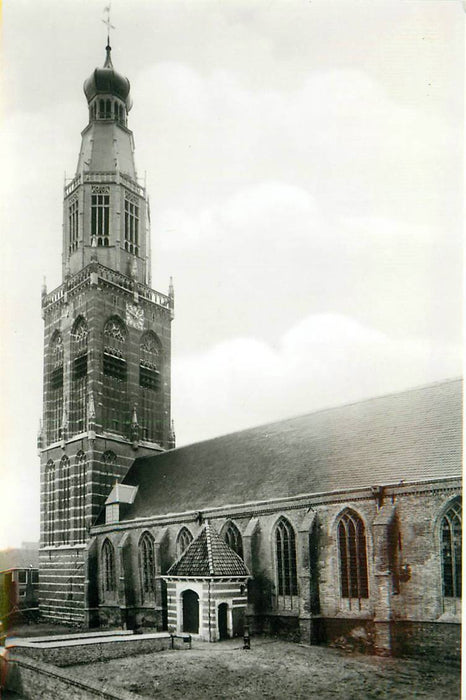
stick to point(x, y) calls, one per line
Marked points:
point(108, 48)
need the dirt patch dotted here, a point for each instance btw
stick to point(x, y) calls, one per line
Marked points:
point(275, 669)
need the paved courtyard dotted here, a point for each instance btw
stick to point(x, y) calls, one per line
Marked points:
point(275, 669)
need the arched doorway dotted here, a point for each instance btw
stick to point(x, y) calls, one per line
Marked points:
point(222, 621)
point(190, 612)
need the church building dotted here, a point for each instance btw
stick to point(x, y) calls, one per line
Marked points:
point(342, 526)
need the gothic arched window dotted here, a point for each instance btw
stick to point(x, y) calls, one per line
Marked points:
point(232, 537)
point(64, 486)
point(147, 564)
point(49, 503)
point(108, 567)
point(80, 496)
point(285, 549)
point(78, 410)
point(183, 541)
point(115, 404)
point(108, 475)
point(450, 537)
point(353, 556)
point(149, 382)
point(55, 386)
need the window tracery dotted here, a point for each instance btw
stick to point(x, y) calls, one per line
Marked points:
point(285, 548)
point(147, 564)
point(353, 556)
point(183, 541)
point(115, 409)
point(49, 502)
point(451, 543)
point(79, 355)
point(232, 537)
point(55, 402)
point(108, 567)
point(149, 382)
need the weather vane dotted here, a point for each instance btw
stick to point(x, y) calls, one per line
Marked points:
point(107, 21)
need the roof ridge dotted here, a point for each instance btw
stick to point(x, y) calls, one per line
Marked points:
point(210, 558)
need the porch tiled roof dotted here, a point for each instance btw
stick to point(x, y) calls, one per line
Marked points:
point(208, 555)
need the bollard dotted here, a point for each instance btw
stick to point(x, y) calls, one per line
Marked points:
point(246, 638)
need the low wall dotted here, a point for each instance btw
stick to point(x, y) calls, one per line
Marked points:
point(34, 680)
point(81, 650)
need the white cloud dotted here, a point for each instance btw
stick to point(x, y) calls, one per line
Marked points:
point(324, 360)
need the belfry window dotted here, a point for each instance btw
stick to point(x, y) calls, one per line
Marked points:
point(108, 567)
point(147, 564)
point(353, 557)
point(55, 398)
point(79, 336)
point(183, 541)
point(232, 537)
point(450, 537)
point(285, 548)
point(131, 225)
point(100, 215)
point(149, 382)
point(73, 225)
point(115, 408)
point(49, 502)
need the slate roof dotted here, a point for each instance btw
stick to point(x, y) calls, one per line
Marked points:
point(413, 435)
point(208, 555)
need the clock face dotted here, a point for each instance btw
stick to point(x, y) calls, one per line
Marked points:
point(135, 316)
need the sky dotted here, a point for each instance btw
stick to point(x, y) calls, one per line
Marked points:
point(304, 164)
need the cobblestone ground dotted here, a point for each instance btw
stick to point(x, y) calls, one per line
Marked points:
point(275, 669)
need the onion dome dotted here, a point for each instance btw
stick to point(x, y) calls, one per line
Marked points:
point(106, 81)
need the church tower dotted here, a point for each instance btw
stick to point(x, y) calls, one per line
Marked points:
point(106, 347)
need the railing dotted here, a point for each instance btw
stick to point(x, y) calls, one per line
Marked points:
point(109, 276)
point(106, 176)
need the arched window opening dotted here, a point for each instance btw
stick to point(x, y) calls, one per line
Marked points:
point(131, 224)
point(101, 109)
point(73, 224)
point(55, 402)
point(285, 548)
point(149, 383)
point(64, 477)
point(78, 411)
point(147, 564)
point(100, 215)
point(353, 557)
point(80, 497)
point(108, 111)
point(108, 567)
point(183, 541)
point(49, 503)
point(232, 537)
point(451, 541)
point(115, 408)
